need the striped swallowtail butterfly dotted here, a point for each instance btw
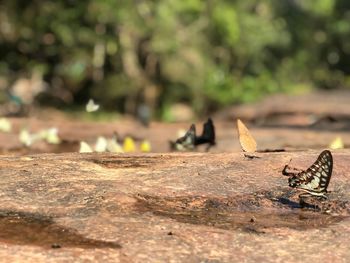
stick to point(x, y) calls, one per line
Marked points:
point(314, 181)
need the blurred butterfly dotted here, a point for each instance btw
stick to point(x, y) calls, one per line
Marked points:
point(129, 144)
point(208, 134)
point(314, 181)
point(190, 140)
point(246, 140)
point(85, 148)
point(5, 125)
point(50, 135)
point(27, 138)
point(186, 142)
point(337, 143)
point(91, 106)
point(101, 144)
point(145, 146)
point(113, 144)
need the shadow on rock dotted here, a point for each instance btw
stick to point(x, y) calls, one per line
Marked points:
point(23, 228)
point(249, 213)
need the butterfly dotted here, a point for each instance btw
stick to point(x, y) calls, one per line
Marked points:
point(186, 142)
point(337, 143)
point(129, 144)
point(91, 106)
point(208, 134)
point(246, 140)
point(190, 140)
point(145, 146)
point(101, 144)
point(50, 136)
point(85, 148)
point(5, 125)
point(314, 181)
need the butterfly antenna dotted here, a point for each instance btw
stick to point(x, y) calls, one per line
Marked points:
point(286, 167)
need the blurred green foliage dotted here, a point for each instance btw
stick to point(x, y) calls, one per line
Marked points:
point(208, 54)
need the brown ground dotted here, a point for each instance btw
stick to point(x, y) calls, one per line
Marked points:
point(173, 207)
point(183, 207)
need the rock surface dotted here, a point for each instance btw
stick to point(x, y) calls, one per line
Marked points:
point(183, 207)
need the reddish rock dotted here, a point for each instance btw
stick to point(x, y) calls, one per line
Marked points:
point(121, 208)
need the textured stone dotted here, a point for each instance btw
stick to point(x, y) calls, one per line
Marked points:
point(184, 207)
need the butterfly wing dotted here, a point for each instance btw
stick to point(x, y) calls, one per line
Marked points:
point(208, 134)
point(187, 142)
point(91, 106)
point(316, 178)
point(85, 148)
point(246, 140)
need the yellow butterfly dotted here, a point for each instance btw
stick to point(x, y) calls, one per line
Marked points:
point(337, 143)
point(145, 146)
point(129, 145)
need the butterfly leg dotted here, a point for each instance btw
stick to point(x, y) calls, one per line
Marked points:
point(251, 156)
point(310, 201)
point(208, 147)
point(303, 198)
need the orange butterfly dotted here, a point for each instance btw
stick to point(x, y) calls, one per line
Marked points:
point(246, 140)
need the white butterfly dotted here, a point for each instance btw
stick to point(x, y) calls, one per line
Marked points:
point(27, 138)
point(50, 136)
point(85, 148)
point(91, 106)
point(5, 125)
point(101, 144)
point(113, 146)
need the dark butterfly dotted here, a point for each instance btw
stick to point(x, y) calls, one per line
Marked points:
point(314, 181)
point(190, 140)
point(208, 134)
